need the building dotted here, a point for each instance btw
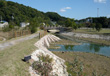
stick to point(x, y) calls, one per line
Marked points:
point(4, 24)
point(24, 24)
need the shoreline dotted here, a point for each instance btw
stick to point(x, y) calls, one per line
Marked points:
point(87, 37)
point(82, 53)
point(91, 62)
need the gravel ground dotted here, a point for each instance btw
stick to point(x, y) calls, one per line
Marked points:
point(13, 42)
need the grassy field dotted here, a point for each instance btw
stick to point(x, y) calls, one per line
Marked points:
point(10, 59)
point(91, 62)
point(91, 31)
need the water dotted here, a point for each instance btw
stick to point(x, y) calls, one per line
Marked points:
point(86, 47)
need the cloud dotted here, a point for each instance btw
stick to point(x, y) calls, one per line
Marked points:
point(100, 1)
point(108, 16)
point(62, 10)
point(65, 9)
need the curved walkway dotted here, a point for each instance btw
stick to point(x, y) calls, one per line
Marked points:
point(13, 42)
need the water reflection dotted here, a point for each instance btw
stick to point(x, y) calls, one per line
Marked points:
point(86, 47)
point(95, 47)
point(69, 47)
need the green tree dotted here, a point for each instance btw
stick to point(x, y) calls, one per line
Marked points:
point(98, 27)
point(93, 25)
point(68, 23)
point(3, 3)
point(74, 26)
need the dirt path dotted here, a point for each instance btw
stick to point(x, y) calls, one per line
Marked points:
point(13, 42)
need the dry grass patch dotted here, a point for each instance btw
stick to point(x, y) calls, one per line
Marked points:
point(92, 62)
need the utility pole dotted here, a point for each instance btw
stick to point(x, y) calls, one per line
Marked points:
point(97, 12)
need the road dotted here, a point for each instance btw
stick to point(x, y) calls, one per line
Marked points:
point(13, 42)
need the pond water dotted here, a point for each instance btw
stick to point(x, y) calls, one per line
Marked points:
point(85, 47)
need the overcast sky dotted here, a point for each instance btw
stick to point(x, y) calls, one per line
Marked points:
point(77, 9)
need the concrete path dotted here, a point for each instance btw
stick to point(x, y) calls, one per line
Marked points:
point(13, 42)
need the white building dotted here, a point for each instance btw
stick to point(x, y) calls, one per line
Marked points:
point(4, 24)
point(24, 24)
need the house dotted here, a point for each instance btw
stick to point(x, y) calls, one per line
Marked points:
point(3, 23)
point(24, 24)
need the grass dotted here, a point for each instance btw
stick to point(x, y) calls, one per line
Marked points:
point(12, 65)
point(91, 62)
point(10, 59)
point(1, 38)
point(91, 31)
point(98, 41)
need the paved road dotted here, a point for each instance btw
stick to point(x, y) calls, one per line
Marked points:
point(13, 42)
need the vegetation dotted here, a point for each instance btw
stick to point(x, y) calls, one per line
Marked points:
point(43, 67)
point(98, 27)
point(87, 64)
point(92, 31)
point(56, 17)
point(75, 68)
point(16, 13)
point(11, 63)
point(98, 41)
point(46, 59)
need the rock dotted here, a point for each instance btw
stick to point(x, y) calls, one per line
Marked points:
point(58, 65)
point(81, 35)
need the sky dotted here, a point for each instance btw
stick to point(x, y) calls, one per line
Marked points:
point(77, 9)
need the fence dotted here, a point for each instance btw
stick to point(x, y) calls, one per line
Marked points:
point(42, 33)
point(13, 33)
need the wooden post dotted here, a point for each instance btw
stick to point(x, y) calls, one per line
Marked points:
point(15, 34)
point(39, 35)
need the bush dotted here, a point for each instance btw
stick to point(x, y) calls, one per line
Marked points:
point(43, 68)
point(45, 58)
point(75, 68)
point(98, 27)
point(33, 29)
point(6, 29)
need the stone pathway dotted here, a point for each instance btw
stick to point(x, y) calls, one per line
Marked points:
point(13, 42)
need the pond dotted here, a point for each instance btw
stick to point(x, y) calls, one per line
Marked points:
point(85, 47)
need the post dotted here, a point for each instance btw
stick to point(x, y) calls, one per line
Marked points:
point(39, 35)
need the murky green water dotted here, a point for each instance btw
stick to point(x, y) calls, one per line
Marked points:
point(85, 47)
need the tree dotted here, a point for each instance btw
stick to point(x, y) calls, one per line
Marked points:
point(98, 27)
point(93, 25)
point(3, 3)
point(68, 23)
point(74, 26)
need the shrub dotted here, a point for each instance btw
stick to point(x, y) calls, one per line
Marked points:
point(45, 58)
point(43, 68)
point(75, 68)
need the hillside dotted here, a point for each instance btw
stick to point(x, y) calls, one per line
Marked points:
point(16, 13)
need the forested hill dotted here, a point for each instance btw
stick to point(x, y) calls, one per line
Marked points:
point(20, 13)
point(56, 17)
point(17, 13)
